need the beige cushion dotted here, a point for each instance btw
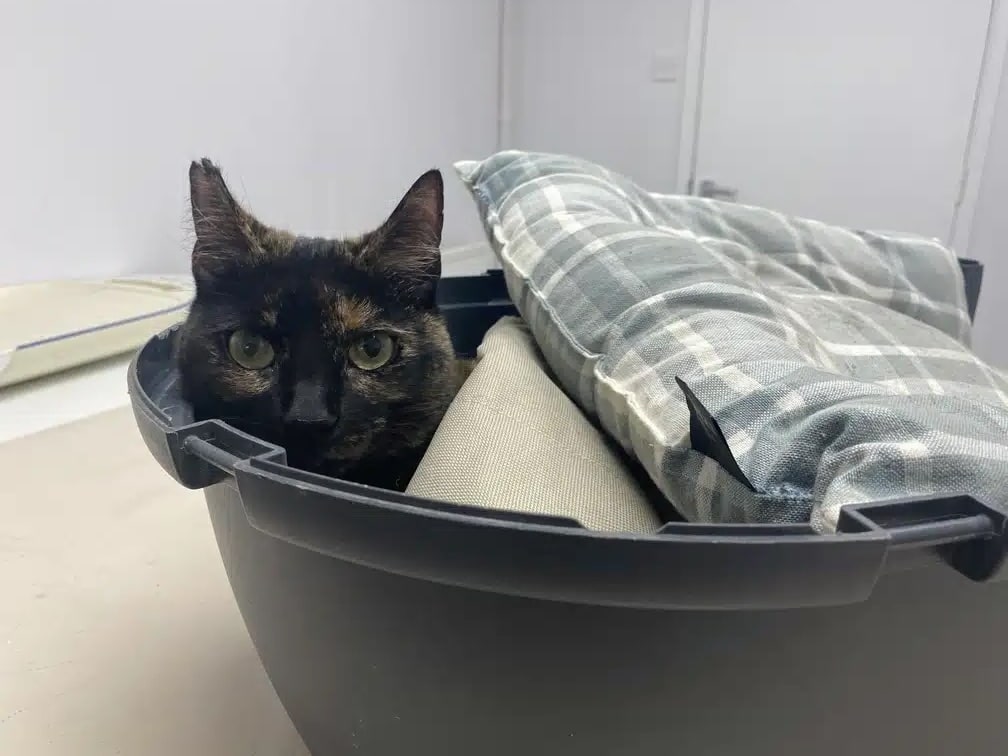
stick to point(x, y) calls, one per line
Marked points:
point(513, 440)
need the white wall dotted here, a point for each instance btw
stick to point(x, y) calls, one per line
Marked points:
point(989, 239)
point(580, 81)
point(323, 111)
point(810, 109)
point(320, 111)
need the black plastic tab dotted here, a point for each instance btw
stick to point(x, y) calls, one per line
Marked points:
point(972, 271)
point(707, 437)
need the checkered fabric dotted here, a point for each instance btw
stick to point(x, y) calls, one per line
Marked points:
point(836, 362)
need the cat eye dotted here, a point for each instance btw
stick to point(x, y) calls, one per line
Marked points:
point(372, 351)
point(250, 350)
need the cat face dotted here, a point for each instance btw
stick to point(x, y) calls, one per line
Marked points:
point(333, 349)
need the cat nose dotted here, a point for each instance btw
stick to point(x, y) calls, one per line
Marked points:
point(309, 407)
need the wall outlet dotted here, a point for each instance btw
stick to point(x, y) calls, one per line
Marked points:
point(664, 66)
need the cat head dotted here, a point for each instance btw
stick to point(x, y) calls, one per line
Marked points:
point(332, 348)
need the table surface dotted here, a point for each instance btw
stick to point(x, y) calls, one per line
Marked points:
point(118, 630)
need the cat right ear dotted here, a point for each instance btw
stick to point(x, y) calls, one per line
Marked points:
point(220, 224)
point(406, 247)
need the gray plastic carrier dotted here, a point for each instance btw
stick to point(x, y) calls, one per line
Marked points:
point(391, 625)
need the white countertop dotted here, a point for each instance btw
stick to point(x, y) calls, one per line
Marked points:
point(63, 398)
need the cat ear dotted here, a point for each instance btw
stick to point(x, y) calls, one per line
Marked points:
point(221, 225)
point(407, 246)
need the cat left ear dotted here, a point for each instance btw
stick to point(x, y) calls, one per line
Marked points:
point(407, 246)
point(218, 220)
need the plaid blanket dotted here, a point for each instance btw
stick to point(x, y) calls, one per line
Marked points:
point(835, 362)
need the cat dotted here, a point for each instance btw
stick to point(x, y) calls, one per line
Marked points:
point(331, 348)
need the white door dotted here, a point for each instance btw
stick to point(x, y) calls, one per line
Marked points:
point(855, 112)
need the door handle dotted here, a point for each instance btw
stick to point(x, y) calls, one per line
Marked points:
point(712, 190)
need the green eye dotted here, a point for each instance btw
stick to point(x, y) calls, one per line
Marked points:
point(250, 350)
point(372, 351)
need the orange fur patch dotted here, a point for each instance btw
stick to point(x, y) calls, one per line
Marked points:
point(353, 313)
point(245, 383)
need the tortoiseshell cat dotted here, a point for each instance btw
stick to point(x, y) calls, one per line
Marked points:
point(333, 349)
